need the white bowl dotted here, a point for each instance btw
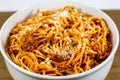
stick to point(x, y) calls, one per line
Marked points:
point(97, 73)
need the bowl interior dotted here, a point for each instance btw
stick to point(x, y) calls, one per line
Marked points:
point(21, 15)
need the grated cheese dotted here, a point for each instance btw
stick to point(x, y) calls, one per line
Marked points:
point(64, 14)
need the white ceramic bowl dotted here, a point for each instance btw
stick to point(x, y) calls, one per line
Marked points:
point(97, 73)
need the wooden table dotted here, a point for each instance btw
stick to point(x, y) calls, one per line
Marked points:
point(114, 73)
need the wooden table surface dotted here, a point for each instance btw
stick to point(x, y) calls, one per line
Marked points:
point(114, 73)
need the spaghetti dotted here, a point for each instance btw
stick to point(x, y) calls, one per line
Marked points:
point(60, 43)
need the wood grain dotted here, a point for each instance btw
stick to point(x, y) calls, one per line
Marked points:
point(114, 73)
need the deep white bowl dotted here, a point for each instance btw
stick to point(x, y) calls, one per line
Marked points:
point(97, 73)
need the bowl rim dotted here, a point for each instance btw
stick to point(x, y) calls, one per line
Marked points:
point(60, 77)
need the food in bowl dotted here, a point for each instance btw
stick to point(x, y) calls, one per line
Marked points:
point(60, 42)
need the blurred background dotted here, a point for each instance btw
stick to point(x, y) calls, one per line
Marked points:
point(110, 7)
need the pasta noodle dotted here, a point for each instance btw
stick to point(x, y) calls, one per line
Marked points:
point(61, 42)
